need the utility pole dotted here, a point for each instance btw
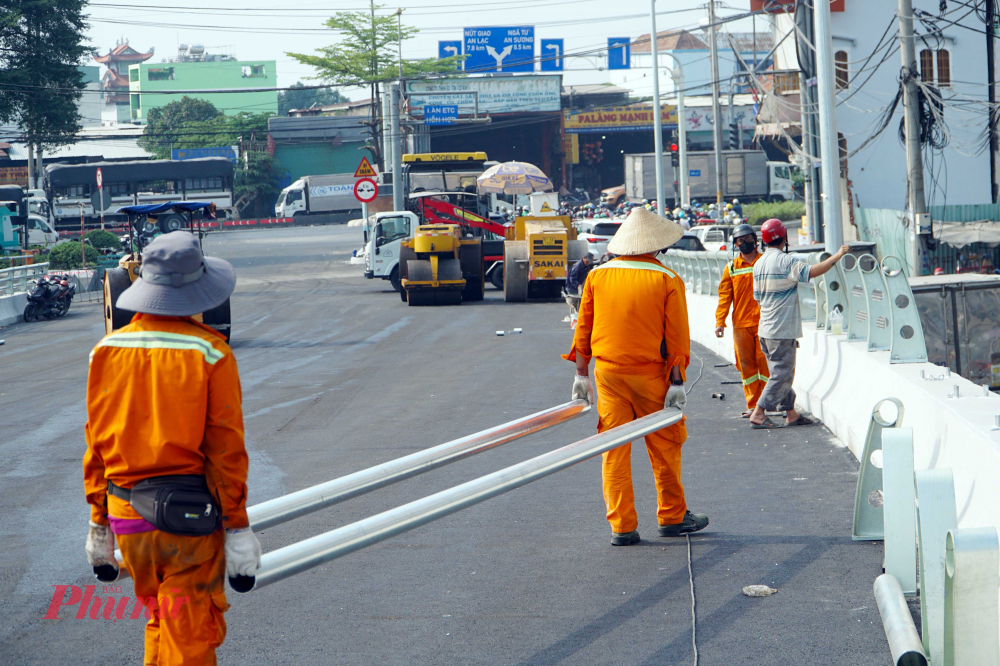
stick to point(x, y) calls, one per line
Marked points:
point(399, 41)
point(678, 76)
point(992, 95)
point(397, 149)
point(716, 111)
point(829, 147)
point(31, 165)
point(810, 129)
point(911, 115)
point(657, 121)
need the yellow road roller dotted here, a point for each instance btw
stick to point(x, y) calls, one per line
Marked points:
point(439, 266)
point(538, 253)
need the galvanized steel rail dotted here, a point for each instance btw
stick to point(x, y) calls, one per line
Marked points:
point(15, 280)
point(291, 506)
point(296, 558)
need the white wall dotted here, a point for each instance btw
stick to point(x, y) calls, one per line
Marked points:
point(879, 171)
point(697, 71)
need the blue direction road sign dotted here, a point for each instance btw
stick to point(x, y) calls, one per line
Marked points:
point(438, 114)
point(506, 49)
point(619, 52)
point(551, 55)
point(448, 49)
point(694, 173)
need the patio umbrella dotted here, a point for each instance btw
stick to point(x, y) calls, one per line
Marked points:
point(514, 178)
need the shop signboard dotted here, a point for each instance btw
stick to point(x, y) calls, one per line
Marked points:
point(513, 94)
point(14, 176)
point(618, 119)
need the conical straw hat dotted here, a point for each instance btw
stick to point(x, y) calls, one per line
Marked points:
point(644, 231)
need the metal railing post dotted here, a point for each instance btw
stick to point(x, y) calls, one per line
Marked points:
point(296, 558)
point(971, 633)
point(935, 517)
point(899, 509)
point(868, 499)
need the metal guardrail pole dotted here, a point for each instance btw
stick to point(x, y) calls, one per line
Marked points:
point(291, 506)
point(304, 555)
point(900, 632)
point(936, 515)
point(971, 633)
point(899, 510)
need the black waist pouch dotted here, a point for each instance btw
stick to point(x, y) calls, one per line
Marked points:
point(179, 504)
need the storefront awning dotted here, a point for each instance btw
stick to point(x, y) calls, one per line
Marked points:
point(960, 234)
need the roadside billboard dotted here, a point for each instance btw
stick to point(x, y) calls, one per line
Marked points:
point(618, 119)
point(513, 94)
point(229, 152)
point(14, 176)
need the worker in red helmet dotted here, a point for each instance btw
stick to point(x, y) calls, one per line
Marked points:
point(776, 277)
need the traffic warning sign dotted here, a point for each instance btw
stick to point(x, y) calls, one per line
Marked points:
point(545, 207)
point(364, 169)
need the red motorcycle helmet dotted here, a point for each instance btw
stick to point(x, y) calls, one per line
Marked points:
point(772, 230)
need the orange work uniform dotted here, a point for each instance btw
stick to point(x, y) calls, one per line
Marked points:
point(163, 398)
point(736, 292)
point(633, 321)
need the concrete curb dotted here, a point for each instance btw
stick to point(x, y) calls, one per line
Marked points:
point(12, 308)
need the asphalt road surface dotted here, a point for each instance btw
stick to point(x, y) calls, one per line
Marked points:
point(339, 375)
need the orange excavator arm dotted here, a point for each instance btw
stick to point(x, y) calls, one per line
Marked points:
point(435, 211)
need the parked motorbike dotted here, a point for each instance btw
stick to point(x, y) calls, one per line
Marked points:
point(51, 297)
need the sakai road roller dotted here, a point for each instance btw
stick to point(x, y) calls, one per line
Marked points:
point(117, 280)
point(537, 256)
point(440, 267)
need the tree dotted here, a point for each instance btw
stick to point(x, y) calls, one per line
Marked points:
point(257, 184)
point(41, 46)
point(368, 55)
point(300, 97)
point(195, 123)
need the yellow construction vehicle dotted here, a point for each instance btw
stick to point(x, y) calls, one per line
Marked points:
point(538, 253)
point(440, 267)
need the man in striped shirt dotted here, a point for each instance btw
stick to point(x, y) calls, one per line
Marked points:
point(776, 277)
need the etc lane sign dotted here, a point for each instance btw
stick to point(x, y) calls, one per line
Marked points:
point(500, 49)
point(438, 114)
point(515, 94)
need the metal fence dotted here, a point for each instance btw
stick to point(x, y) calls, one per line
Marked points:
point(15, 280)
point(872, 298)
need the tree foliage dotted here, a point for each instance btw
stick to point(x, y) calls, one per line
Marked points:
point(41, 46)
point(195, 123)
point(300, 97)
point(69, 256)
point(368, 54)
point(258, 181)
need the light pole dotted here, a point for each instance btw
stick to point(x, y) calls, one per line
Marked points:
point(677, 74)
point(657, 122)
point(399, 40)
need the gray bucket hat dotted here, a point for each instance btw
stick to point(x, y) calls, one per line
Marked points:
point(175, 279)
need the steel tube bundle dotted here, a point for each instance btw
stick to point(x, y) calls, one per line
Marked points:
point(288, 507)
point(299, 557)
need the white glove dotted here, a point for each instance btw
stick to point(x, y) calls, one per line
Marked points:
point(583, 389)
point(676, 397)
point(101, 546)
point(242, 553)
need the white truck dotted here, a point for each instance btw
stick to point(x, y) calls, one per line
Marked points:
point(383, 235)
point(746, 175)
point(310, 195)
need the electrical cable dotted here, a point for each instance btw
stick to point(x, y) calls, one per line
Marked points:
point(700, 371)
point(694, 608)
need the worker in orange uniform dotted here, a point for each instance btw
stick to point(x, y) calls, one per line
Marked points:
point(634, 321)
point(736, 292)
point(165, 421)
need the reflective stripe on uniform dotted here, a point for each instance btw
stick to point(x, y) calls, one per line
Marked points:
point(640, 265)
point(740, 271)
point(161, 340)
point(756, 378)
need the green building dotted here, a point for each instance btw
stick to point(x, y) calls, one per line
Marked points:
point(196, 79)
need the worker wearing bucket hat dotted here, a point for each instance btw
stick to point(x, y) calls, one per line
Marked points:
point(633, 320)
point(164, 411)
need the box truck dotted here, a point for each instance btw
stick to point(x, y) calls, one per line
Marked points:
point(746, 175)
point(312, 195)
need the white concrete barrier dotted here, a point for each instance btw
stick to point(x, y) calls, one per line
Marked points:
point(840, 381)
point(12, 308)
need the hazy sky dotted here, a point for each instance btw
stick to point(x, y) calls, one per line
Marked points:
point(265, 30)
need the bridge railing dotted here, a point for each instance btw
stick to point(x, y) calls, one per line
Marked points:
point(15, 280)
point(873, 299)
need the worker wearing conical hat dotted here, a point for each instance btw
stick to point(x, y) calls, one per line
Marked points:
point(633, 321)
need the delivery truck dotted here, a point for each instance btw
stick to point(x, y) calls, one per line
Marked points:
point(313, 195)
point(746, 175)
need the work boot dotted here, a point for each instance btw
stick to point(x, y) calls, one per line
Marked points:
point(693, 522)
point(624, 538)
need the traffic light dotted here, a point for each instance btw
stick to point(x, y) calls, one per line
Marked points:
point(675, 156)
point(734, 136)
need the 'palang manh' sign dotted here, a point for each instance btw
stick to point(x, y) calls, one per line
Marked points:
point(618, 119)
